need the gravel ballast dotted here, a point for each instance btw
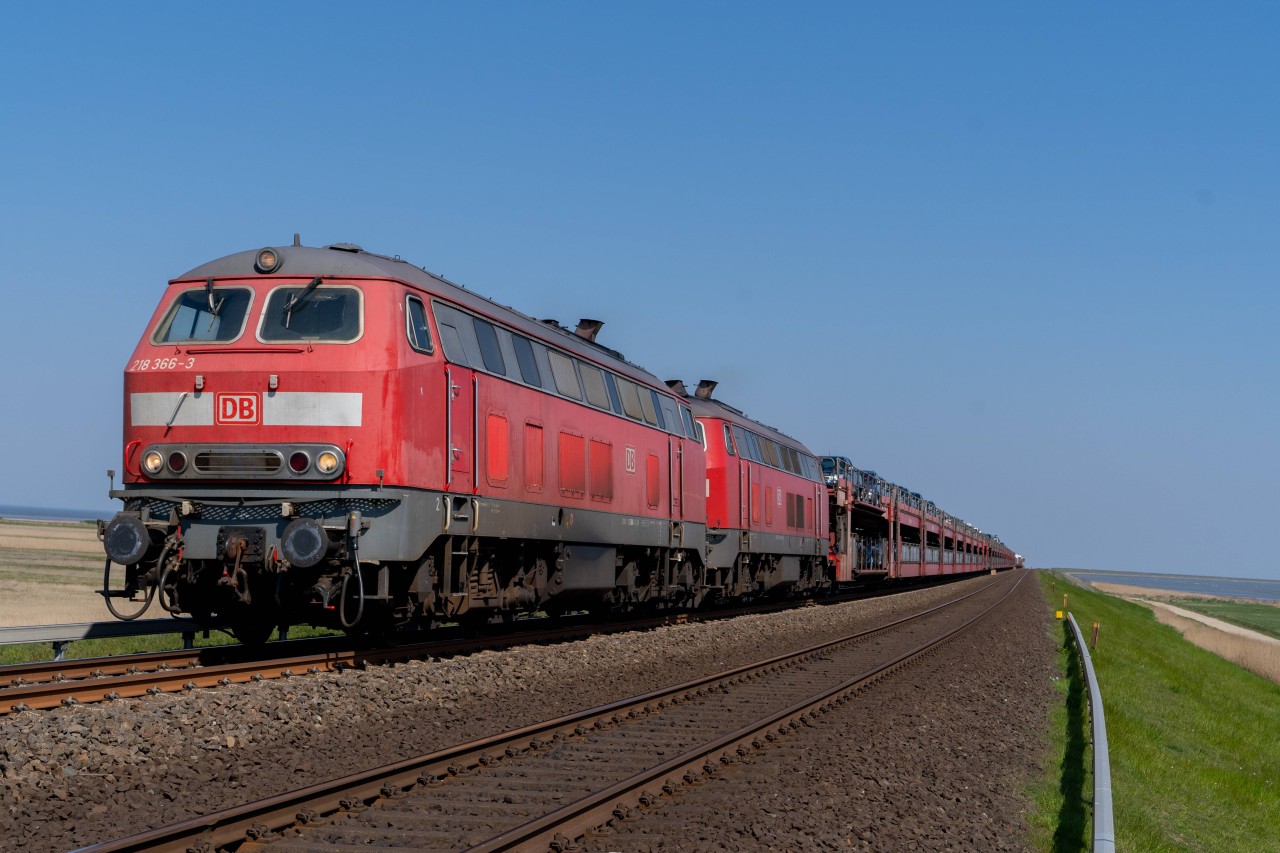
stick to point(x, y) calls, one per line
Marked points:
point(933, 759)
point(80, 775)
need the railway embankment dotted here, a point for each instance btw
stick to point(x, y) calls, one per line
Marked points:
point(935, 759)
point(1194, 761)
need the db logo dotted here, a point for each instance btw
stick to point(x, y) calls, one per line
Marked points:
point(237, 409)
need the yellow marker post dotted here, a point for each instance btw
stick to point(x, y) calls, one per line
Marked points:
point(1058, 613)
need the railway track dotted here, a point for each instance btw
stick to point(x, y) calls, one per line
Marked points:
point(545, 785)
point(45, 685)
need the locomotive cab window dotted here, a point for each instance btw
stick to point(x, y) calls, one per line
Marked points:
point(690, 430)
point(747, 444)
point(214, 315)
point(419, 333)
point(312, 313)
point(670, 415)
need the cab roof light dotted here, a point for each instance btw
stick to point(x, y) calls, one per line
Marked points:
point(268, 261)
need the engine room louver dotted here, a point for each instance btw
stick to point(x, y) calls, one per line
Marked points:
point(251, 463)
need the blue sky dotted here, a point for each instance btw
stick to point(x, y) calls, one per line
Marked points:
point(1018, 257)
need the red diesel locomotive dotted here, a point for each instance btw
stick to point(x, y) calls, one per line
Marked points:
point(330, 436)
point(766, 505)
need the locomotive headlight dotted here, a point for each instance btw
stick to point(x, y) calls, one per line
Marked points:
point(152, 462)
point(268, 261)
point(327, 462)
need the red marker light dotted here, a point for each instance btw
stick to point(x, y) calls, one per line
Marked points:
point(299, 462)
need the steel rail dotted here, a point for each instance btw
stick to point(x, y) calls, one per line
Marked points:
point(135, 662)
point(59, 635)
point(49, 684)
point(40, 686)
point(25, 673)
point(123, 677)
point(578, 818)
point(257, 820)
point(1104, 830)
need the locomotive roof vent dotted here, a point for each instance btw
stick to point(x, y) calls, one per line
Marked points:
point(678, 386)
point(705, 387)
point(588, 329)
point(345, 247)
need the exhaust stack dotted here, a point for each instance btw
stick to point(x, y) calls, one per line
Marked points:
point(588, 329)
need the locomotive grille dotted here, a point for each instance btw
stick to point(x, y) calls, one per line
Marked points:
point(215, 512)
point(159, 510)
point(253, 463)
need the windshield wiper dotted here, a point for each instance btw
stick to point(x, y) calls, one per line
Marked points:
point(296, 298)
point(213, 309)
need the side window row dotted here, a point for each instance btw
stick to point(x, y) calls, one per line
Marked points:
point(474, 342)
point(766, 451)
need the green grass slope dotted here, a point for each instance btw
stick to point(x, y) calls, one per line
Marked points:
point(1195, 740)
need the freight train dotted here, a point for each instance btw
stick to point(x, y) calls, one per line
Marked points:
point(335, 437)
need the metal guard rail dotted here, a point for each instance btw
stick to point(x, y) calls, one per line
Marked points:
point(60, 635)
point(1104, 832)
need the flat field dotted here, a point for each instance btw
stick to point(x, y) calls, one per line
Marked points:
point(50, 572)
point(1256, 616)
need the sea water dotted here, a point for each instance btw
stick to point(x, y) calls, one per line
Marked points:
point(40, 513)
point(1198, 585)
